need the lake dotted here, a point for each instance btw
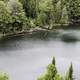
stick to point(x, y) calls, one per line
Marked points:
point(26, 57)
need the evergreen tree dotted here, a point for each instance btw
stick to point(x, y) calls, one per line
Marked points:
point(53, 61)
point(19, 19)
point(69, 75)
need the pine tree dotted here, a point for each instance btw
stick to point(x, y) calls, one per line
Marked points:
point(69, 75)
point(53, 61)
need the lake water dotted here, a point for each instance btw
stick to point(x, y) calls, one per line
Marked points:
point(26, 58)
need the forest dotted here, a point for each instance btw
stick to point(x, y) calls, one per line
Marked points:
point(23, 15)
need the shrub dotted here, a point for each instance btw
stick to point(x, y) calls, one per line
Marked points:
point(4, 76)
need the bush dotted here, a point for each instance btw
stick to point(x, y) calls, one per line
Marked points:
point(51, 73)
point(3, 76)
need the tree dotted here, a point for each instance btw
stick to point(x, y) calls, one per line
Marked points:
point(73, 7)
point(44, 13)
point(50, 74)
point(4, 0)
point(5, 18)
point(69, 75)
point(58, 77)
point(30, 7)
point(53, 61)
point(52, 12)
point(19, 20)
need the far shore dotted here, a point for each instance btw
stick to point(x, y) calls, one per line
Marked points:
point(38, 29)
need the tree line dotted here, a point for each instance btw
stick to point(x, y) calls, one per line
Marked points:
point(21, 15)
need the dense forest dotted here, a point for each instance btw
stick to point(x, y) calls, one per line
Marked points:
point(22, 15)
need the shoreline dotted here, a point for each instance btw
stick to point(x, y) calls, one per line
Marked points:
point(37, 29)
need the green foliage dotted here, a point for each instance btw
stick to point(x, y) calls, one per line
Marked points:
point(30, 7)
point(73, 7)
point(4, 17)
point(12, 17)
point(20, 15)
point(52, 12)
point(52, 73)
point(53, 61)
point(42, 19)
point(3, 76)
point(19, 19)
point(69, 74)
point(58, 77)
point(45, 15)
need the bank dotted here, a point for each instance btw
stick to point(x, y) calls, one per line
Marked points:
point(37, 29)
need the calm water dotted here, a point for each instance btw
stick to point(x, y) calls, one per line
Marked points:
point(26, 58)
